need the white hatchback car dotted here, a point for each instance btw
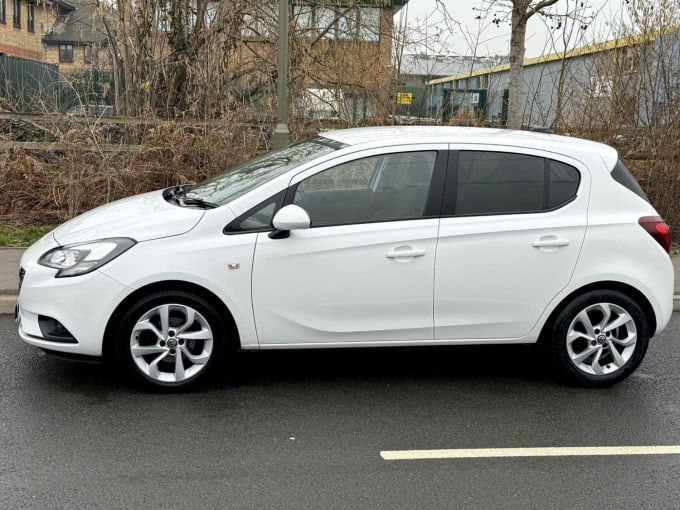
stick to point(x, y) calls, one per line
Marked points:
point(392, 236)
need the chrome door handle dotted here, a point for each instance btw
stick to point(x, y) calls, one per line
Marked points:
point(411, 252)
point(550, 242)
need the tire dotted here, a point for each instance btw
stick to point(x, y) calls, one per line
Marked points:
point(170, 340)
point(599, 338)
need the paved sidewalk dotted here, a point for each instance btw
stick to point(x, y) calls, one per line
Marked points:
point(9, 279)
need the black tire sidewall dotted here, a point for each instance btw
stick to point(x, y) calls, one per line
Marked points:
point(131, 317)
point(558, 343)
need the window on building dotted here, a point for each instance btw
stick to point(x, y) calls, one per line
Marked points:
point(91, 54)
point(30, 19)
point(262, 22)
point(65, 53)
point(16, 18)
point(3, 14)
point(344, 23)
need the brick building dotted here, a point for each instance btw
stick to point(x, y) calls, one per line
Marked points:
point(22, 24)
point(78, 37)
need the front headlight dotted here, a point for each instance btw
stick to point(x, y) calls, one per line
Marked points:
point(81, 258)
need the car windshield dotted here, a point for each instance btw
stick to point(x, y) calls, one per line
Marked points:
point(243, 178)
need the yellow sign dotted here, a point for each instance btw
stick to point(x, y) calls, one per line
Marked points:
point(404, 97)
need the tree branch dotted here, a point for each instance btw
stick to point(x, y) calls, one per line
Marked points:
point(540, 5)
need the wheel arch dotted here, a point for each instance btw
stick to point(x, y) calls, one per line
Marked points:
point(233, 338)
point(623, 288)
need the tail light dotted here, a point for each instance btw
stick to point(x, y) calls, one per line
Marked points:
point(657, 228)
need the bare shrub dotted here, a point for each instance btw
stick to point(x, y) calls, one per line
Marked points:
point(50, 187)
point(655, 164)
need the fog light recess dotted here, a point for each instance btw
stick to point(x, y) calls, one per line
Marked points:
point(54, 330)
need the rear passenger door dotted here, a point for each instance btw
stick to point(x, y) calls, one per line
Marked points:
point(512, 227)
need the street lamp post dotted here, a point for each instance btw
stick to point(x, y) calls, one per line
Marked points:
point(281, 133)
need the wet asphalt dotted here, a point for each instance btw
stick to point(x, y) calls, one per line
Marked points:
point(296, 430)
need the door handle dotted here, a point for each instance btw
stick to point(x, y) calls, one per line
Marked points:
point(550, 242)
point(405, 253)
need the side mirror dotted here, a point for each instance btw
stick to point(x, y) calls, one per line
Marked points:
point(290, 217)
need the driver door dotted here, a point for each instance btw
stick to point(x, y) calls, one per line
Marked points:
point(363, 272)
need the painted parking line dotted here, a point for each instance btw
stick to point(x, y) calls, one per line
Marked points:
point(482, 453)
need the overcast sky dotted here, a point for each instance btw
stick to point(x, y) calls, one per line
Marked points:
point(434, 32)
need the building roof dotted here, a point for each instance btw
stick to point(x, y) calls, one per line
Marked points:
point(78, 21)
point(443, 65)
point(623, 42)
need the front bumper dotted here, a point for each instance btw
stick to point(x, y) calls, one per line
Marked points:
point(82, 304)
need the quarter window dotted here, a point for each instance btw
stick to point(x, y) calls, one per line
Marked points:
point(564, 181)
point(506, 183)
point(378, 188)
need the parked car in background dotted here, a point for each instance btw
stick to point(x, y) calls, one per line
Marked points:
point(369, 237)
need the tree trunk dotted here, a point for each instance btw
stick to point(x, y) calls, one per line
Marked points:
point(519, 28)
point(522, 10)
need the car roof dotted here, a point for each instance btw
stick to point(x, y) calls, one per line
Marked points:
point(386, 135)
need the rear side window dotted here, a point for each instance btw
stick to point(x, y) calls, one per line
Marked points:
point(506, 183)
point(623, 176)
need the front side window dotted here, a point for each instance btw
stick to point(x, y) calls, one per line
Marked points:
point(16, 19)
point(506, 183)
point(387, 187)
point(65, 53)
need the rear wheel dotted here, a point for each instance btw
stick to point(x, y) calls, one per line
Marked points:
point(170, 339)
point(599, 338)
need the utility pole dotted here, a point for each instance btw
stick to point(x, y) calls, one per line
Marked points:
point(281, 133)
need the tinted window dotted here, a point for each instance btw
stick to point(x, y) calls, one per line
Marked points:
point(378, 188)
point(564, 181)
point(623, 176)
point(504, 183)
point(499, 182)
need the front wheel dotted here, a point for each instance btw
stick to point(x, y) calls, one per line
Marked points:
point(599, 338)
point(169, 339)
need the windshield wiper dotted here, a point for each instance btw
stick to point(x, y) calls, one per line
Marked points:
point(179, 195)
point(197, 202)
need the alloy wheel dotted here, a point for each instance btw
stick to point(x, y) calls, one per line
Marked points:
point(601, 339)
point(171, 343)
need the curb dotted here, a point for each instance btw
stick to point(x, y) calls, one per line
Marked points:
point(7, 303)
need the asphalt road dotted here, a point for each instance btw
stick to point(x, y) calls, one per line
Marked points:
point(301, 430)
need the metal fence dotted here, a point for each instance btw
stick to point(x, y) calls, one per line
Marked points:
point(28, 86)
